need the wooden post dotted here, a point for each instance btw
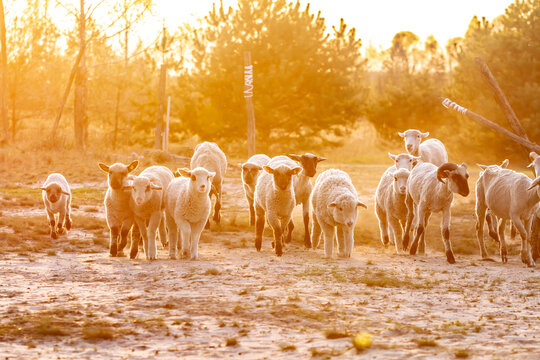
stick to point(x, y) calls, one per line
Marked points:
point(161, 95)
point(166, 132)
point(3, 74)
point(248, 95)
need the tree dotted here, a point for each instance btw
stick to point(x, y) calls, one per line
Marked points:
point(307, 84)
point(3, 73)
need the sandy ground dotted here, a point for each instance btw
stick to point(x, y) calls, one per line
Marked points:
point(73, 304)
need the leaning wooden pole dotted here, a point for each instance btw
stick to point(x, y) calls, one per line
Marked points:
point(482, 120)
point(248, 95)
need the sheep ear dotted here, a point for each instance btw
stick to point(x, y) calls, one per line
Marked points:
point(359, 203)
point(530, 165)
point(66, 193)
point(332, 205)
point(392, 156)
point(533, 155)
point(535, 183)
point(295, 157)
point(426, 134)
point(243, 166)
point(184, 172)
point(133, 165)
point(268, 169)
point(319, 159)
point(296, 170)
point(464, 165)
point(401, 134)
point(176, 174)
point(211, 174)
point(103, 167)
point(131, 177)
point(43, 188)
point(415, 160)
point(258, 167)
point(483, 167)
point(441, 175)
point(504, 164)
point(154, 186)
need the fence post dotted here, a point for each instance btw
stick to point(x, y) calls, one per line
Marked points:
point(248, 95)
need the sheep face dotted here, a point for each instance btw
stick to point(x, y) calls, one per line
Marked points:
point(117, 173)
point(141, 189)
point(412, 140)
point(457, 177)
point(404, 161)
point(250, 172)
point(400, 181)
point(282, 175)
point(344, 210)
point(54, 192)
point(535, 184)
point(308, 162)
point(535, 163)
point(200, 179)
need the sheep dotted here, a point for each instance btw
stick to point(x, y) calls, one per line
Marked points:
point(403, 161)
point(187, 208)
point(250, 173)
point(302, 190)
point(117, 211)
point(209, 156)
point(274, 198)
point(506, 194)
point(432, 150)
point(390, 206)
point(428, 192)
point(534, 227)
point(57, 199)
point(334, 202)
point(535, 163)
point(148, 206)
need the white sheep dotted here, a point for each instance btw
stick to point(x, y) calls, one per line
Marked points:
point(535, 163)
point(334, 201)
point(274, 199)
point(403, 161)
point(57, 200)
point(148, 206)
point(428, 192)
point(390, 206)
point(432, 150)
point(117, 211)
point(251, 170)
point(506, 194)
point(187, 208)
point(534, 227)
point(302, 190)
point(209, 156)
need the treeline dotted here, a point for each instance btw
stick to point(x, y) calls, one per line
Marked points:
point(312, 81)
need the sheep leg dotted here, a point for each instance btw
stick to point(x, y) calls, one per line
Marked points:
point(534, 234)
point(185, 231)
point(305, 211)
point(420, 218)
point(340, 240)
point(315, 232)
point(153, 225)
point(259, 227)
point(480, 216)
point(60, 223)
point(68, 213)
point(163, 231)
point(173, 236)
point(141, 223)
point(113, 242)
point(410, 217)
point(278, 232)
point(395, 228)
point(251, 211)
point(445, 227)
point(217, 208)
point(422, 243)
point(52, 222)
point(196, 230)
point(290, 228)
point(526, 256)
point(135, 239)
point(328, 232)
point(513, 231)
point(348, 237)
point(383, 224)
point(502, 245)
point(492, 226)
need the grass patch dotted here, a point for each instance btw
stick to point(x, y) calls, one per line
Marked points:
point(461, 353)
point(287, 347)
point(335, 334)
point(212, 271)
point(97, 332)
point(231, 342)
point(425, 343)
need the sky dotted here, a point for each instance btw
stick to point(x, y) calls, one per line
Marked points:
point(376, 21)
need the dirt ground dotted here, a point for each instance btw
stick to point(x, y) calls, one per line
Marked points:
point(69, 299)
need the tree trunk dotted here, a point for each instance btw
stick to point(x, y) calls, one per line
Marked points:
point(80, 117)
point(248, 96)
point(3, 74)
point(161, 99)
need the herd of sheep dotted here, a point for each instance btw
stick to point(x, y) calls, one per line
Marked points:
point(177, 206)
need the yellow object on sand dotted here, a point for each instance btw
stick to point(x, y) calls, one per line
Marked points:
point(362, 340)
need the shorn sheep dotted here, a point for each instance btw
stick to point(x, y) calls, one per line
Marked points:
point(334, 201)
point(507, 196)
point(209, 156)
point(431, 151)
point(251, 170)
point(187, 208)
point(431, 189)
point(57, 200)
point(403, 161)
point(390, 206)
point(148, 207)
point(117, 211)
point(274, 200)
point(302, 190)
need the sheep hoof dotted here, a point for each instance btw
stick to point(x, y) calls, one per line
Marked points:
point(54, 235)
point(60, 230)
point(450, 257)
point(68, 224)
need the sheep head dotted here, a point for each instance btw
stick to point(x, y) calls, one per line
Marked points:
point(344, 209)
point(404, 161)
point(250, 172)
point(412, 140)
point(142, 189)
point(118, 173)
point(308, 162)
point(535, 163)
point(200, 179)
point(457, 177)
point(400, 181)
point(53, 192)
point(282, 175)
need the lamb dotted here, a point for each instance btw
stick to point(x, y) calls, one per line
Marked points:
point(187, 208)
point(302, 190)
point(57, 199)
point(335, 202)
point(250, 173)
point(403, 161)
point(390, 206)
point(506, 194)
point(117, 211)
point(274, 198)
point(535, 163)
point(209, 156)
point(432, 150)
point(148, 206)
point(428, 192)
